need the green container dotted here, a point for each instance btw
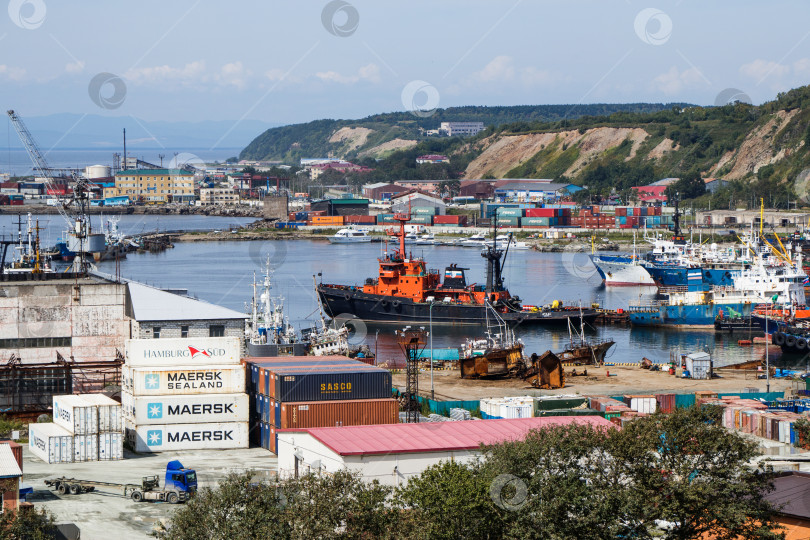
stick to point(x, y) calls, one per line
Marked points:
point(560, 403)
point(421, 220)
point(568, 412)
point(611, 415)
point(509, 212)
point(535, 222)
point(508, 221)
point(424, 210)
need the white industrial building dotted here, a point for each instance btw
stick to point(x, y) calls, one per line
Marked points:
point(416, 199)
point(156, 313)
point(393, 453)
point(461, 129)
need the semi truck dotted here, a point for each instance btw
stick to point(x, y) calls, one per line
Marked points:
point(179, 485)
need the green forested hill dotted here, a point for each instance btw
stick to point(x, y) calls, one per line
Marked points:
point(312, 139)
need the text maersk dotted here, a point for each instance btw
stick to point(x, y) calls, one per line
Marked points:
point(182, 353)
point(195, 380)
point(214, 408)
point(197, 436)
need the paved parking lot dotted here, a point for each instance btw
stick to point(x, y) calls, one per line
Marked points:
point(105, 513)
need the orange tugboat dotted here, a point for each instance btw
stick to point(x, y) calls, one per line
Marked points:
point(406, 289)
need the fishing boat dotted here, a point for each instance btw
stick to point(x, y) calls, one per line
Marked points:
point(350, 235)
point(621, 270)
point(27, 257)
point(582, 350)
point(269, 332)
point(781, 286)
point(406, 291)
point(498, 354)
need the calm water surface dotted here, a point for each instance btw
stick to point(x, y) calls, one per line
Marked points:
point(222, 273)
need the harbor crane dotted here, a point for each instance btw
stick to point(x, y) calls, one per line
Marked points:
point(77, 221)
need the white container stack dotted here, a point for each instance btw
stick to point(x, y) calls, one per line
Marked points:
point(86, 427)
point(184, 394)
point(50, 443)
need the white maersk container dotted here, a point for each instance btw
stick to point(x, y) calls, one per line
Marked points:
point(110, 446)
point(75, 414)
point(85, 448)
point(168, 381)
point(50, 443)
point(162, 438)
point(204, 408)
point(110, 418)
point(181, 352)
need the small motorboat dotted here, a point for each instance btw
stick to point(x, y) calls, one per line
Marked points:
point(350, 235)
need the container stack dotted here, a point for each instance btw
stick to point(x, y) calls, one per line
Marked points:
point(86, 427)
point(507, 407)
point(305, 392)
point(184, 394)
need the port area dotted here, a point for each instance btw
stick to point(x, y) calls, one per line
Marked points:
point(105, 513)
point(600, 381)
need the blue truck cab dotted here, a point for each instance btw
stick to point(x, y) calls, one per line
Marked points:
point(180, 479)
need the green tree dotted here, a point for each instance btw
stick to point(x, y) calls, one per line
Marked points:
point(27, 524)
point(685, 468)
point(450, 188)
point(449, 501)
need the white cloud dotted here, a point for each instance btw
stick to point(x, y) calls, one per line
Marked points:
point(74, 67)
point(13, 73)
point(190, 73)
point(367, 73)
point(802, 67)
point(675, 81)
point(233, 74)
point(763, 69)
point(502, 69)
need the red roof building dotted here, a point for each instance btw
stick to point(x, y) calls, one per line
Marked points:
point(392, 453)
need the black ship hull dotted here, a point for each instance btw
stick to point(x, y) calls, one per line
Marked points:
point(345, 302)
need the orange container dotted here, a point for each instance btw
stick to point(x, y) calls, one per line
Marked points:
point(358, 412)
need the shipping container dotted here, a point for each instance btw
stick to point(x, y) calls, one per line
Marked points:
point(540, 212)
point(268, 437)
point(110, 417)
point(305, 385)
point(161, 438)
point(75, 414)
point(187, 409)
point(181, 352)
point(535, 222)
point(508, 212)
point(85, 448)
point(183, 381)
point(424, 210)
point(110, 446)
point(50, 443)
point(359, 412)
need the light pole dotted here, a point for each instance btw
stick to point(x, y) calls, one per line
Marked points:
point(430, 312)
point(767, 359)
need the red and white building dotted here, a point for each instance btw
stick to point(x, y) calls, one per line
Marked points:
point(432, 158)
point(393, 453)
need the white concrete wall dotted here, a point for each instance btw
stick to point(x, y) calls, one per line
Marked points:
point(93, 316)
point(388, 469)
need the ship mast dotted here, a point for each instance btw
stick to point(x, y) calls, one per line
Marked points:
point(403, 218)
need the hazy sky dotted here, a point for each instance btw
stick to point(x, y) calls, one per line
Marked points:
point(292, 62)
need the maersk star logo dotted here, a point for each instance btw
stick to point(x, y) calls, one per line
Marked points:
point(152, 382)
point(155, 410)
point(154, 437)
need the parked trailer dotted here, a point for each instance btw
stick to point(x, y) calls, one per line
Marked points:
point(180, 484)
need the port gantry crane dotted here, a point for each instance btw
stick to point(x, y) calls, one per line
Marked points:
point(77, 221)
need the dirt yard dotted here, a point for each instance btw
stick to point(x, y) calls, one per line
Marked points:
point(622, 380)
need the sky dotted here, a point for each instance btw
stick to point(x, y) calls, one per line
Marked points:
point(288, 62)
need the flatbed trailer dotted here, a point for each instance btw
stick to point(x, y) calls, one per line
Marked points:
point(148, 490)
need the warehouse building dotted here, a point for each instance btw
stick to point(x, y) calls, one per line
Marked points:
point(341, 207)
point(154, 185)
point(393, 453)
point(381, 191)
point(156, 314)
point(415, 199)
point(788, 221)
